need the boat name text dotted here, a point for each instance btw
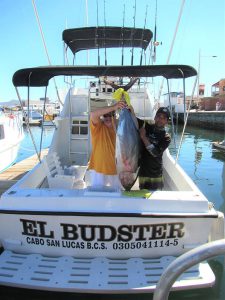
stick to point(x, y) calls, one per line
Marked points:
point(105, 233)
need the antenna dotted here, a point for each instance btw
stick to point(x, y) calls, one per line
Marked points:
point(132, 56)
point(142, 36)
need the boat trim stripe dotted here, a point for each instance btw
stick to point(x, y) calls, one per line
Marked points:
point(110, 214)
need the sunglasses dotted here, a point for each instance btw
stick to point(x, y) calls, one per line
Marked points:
point(109, 115)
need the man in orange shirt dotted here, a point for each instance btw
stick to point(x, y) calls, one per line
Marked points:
point(102, 164)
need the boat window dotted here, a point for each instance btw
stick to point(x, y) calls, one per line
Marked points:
point(80, 127)
point(2, 132)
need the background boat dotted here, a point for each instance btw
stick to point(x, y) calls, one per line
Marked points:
point(11, 135)
point(219, 145)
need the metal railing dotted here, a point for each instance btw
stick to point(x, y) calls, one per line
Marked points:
point(184, 262)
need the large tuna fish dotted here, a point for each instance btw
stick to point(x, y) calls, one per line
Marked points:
point(127, 149)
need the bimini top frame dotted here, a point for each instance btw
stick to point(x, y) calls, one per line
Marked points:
point(86, 38)
point(40, 76)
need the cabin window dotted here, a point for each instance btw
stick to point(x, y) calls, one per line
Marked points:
point(2, 132)
point(79, 127)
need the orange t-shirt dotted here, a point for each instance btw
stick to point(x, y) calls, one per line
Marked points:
point(102, 158)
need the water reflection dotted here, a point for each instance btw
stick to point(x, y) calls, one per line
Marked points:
point(203, 163)
point(206, 166)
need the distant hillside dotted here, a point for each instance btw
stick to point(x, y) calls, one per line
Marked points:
point(10, 103)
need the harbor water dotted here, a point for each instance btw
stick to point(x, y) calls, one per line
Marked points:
point(204, 164)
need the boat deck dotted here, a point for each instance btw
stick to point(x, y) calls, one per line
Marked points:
point(17, 171)
point(95, 275)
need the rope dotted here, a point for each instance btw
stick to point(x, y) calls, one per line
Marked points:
point(185, 121)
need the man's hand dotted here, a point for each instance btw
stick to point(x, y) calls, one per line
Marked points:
point(120, 105)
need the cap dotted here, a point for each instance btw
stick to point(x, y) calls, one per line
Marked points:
point(163, 110)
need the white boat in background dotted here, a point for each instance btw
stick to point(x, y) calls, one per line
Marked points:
point(11, 135)
point(61, 234)
point(32, 117)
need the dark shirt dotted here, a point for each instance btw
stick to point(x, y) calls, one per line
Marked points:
point(151, 160)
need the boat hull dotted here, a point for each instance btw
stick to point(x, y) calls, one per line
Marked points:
point(9, 155)
point(11, 138)
point(103, 235)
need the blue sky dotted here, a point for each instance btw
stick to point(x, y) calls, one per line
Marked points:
point(202, 27)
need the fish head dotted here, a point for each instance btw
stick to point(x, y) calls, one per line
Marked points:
point(127, 179)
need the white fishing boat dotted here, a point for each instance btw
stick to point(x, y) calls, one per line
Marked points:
point(59, 233)
point(11, 135)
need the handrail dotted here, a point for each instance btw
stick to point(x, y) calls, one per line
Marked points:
point(184, 262)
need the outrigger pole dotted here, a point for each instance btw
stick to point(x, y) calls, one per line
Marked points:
point(143, 34)
point(155, 34)
point(132, 32)
point(96, 34)
point(122, 34)
point(104, 36)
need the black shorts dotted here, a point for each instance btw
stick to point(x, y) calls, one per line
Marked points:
point(150, 183)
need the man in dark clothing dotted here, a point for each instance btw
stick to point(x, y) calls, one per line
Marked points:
point(155, 141)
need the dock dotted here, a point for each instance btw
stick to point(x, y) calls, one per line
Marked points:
point(205, 119)
point(17, 171)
